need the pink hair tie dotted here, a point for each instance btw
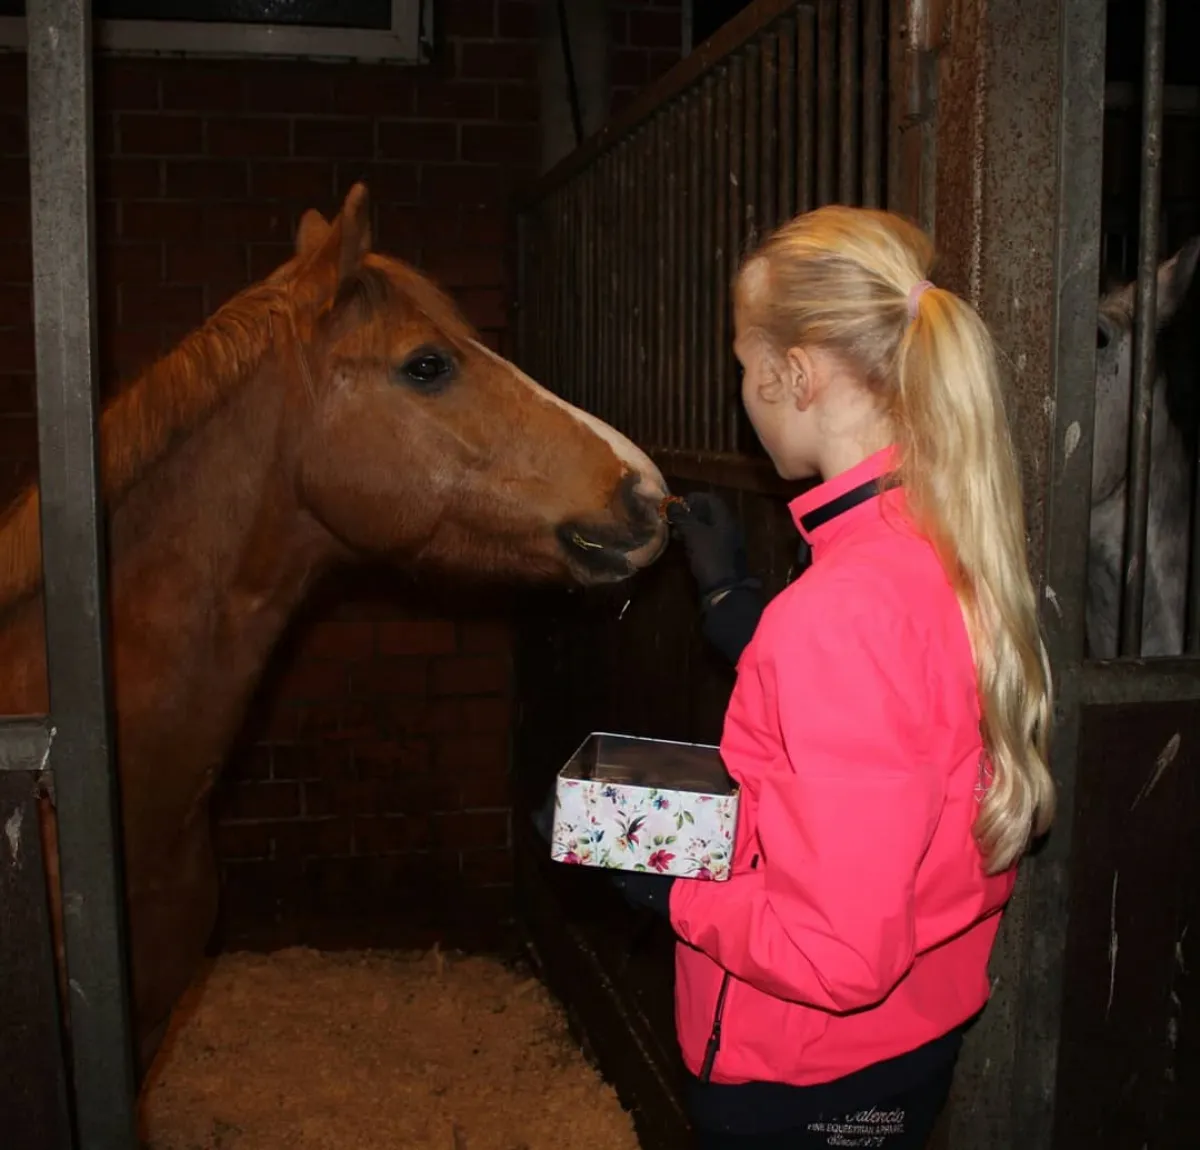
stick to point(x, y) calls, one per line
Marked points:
point(914, 297)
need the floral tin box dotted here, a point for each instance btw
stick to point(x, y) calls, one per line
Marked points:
point(645, 805)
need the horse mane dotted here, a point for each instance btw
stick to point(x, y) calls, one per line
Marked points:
point(150, 417)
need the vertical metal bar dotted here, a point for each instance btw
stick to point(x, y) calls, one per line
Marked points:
point(826, 99)
point(806, 112)
point(75, 592)
point(722, 173)
point(1134, 587)
point(643, 245)
point(848, 103)
point(768, 128)
point(1192, 638)
point(737, 89)
point(662, 216)
point(622, 237)
point(786, 85)
point(694, 277)
point(752, 149)
point(604, 225)
point(706, 320)
point(873, 148)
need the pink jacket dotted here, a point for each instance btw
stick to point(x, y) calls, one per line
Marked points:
point(858, 920)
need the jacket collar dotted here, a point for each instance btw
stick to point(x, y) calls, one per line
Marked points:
point(827, 510)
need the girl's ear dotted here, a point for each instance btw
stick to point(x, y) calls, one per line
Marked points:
point(800, 377)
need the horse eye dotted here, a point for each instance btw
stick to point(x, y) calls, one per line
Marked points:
point(427, 369)
point(1101, 339)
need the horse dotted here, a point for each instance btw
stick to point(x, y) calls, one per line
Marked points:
point(340, 410)
point(1175, 418)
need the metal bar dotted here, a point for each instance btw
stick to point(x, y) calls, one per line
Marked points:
point(694, 276)
point(848, 102)
point(1134, 586)
point(786, 83)
point(873, 148)
point(662, 269)
point(752, 147)
point(33, 1084)
point(806, 110)
point(643, 245)
point(768, 142)
point(623, 276)
point(1047, 878)
point(1192, 638)
point(737, 87)
point(826, 99)
point(1120, 681)
point(722, 172)
point(76, 602)
point(709, 288)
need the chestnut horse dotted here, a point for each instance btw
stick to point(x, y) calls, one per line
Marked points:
point(339, 410)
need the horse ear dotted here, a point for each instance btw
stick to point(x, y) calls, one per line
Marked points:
point(1175, 279)
point(313, 231)
point(355, 225)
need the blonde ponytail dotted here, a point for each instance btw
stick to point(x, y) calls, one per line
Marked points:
point(844, 279)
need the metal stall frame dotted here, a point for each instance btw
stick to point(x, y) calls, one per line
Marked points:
point(87, 1100)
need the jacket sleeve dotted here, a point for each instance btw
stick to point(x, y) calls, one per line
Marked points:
point(826, 723)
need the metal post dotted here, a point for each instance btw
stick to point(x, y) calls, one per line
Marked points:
point(60, 143)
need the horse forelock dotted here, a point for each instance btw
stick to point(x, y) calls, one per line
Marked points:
point(146, 420)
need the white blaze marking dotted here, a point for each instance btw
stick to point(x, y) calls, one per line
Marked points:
point(628, 452)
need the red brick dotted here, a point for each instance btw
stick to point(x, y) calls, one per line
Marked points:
point(141, 263)
point(484, 790)
point(519, 103)
point(17, 394)
point(161, 304)
point(336, 639)
point(486, 868)
point(243, 840)
point(16, 305)
point(252, 763)
point(203, 86)
point(457, 100)
point(467, 267)
point(306, 180)
point(199, 263)
point(484, 226)
point(471, 830)
point(289, 86)
point(493, 61)
point(247, 221)
point(260, 801)
point(518, 20)
point(16, 349)
point(480, 637)
point(444, 185)
point(15, 223)
point(469, 675)
point(379, 90)
point(158, 135)
point(155, 220)
point(484, 307)
point(662, 62)
point(249, 137)
point(14, 140)
point(401, 230)
point(417, 637)
point(429, 140)
point(313, 680)
point(266, 258)
point(396, 183)
point(134, 350)
point(121, 179)
point(618, 28)
point(293, 761)
point(513, 144)
point(206, 179)
point(661, 29)
point(391, 759)
point(18, 436)
point(472, 754)
point(388, 677)
point(629, 68)
point(122, 83)
point(313, 838)
point(471, 18)
point(12, 81)
point(104, 132)
point(390, 834)
point(486, 715)
point(324, 799)
point(340, 137)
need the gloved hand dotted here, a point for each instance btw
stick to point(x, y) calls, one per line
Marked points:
point(645, 889)
point(713, 539)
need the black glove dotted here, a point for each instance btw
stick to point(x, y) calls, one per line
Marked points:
point(716, 548)
point(543, 816)
point(645, 889)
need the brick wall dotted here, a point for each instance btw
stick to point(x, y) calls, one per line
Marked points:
point(368, 793)
point(647, 40)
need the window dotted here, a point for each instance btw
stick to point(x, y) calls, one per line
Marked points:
point(396, 30)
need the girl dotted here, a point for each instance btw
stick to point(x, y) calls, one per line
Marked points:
point(889, 723)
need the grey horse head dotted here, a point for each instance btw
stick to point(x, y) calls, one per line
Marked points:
point(1174, 420)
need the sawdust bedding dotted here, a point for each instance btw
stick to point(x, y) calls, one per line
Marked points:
point(302, 1050)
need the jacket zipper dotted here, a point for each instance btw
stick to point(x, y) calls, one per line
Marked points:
point(714, 1038)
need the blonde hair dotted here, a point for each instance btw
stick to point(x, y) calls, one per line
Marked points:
point(842, 279)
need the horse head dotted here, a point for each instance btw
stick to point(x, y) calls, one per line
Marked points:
point(414, 441)
point(1174, 419)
